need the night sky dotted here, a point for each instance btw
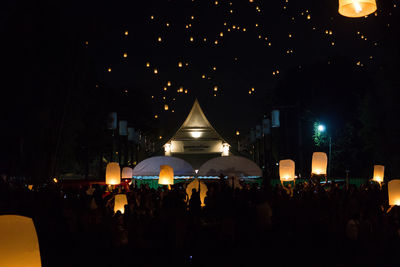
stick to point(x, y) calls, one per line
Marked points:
point(239, 58)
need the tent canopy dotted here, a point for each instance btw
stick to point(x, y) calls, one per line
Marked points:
point(150, 168)
point(231, 166)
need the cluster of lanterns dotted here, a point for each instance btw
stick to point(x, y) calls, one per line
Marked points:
point(113, 177)
point(318, 166)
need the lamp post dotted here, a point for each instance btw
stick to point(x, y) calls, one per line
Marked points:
point(321, 128)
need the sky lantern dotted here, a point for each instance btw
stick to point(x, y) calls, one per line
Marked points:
point(113, 173)
point(394, 192)
point(166, 107)
point(166, 176)
point(319, 163)
point(378, 173)
point(127, 173)
point(286, 170)
point(19, 245)
point(195, 185)
point(356, 8)
point(120, 201)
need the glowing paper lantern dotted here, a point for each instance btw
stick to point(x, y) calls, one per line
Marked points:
point(166, 176)
point(356, 8)
point(113, 173)
point(378, 173)
point(195, 185)
point(394, 192)
point(286, 170)
point(319, 163)
point(120, 201)
point(19, 244)
point(127, 173)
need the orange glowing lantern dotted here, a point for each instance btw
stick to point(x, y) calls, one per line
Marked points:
point(394, 192)
point(356, 8)
point(319, 163)
point(19, 244)
point(378, 173)
point(286, 170)
point(166, 176)
point(195, 185)
point(113, 173)
point(120, 201)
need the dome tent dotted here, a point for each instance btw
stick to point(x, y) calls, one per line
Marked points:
point(150, 168)
point(231, 166)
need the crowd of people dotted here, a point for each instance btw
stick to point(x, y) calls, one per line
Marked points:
point(255, 225)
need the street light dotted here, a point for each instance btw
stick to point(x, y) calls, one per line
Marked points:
point(321, 128)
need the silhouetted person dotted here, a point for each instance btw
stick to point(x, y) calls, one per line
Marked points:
point(195, 202)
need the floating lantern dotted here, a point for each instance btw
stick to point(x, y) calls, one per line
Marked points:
point(127, 173)
point(166, 176)
point(286, 170)
point(378, 173)
point(120, 201)
point(319, 163)
point(113, 173)
point(19, 244)
point(356, 8)
point(394, 192)
point(195, 185)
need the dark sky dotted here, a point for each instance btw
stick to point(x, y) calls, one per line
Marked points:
point(301, 34)
point(288, 51)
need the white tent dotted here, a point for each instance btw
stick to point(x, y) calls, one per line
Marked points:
point(230, 166)
point(150, 168)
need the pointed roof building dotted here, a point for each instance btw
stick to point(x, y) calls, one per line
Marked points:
point(196, 140)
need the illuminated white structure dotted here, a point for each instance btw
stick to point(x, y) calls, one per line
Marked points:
point(196, 136)
point(225, 149)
